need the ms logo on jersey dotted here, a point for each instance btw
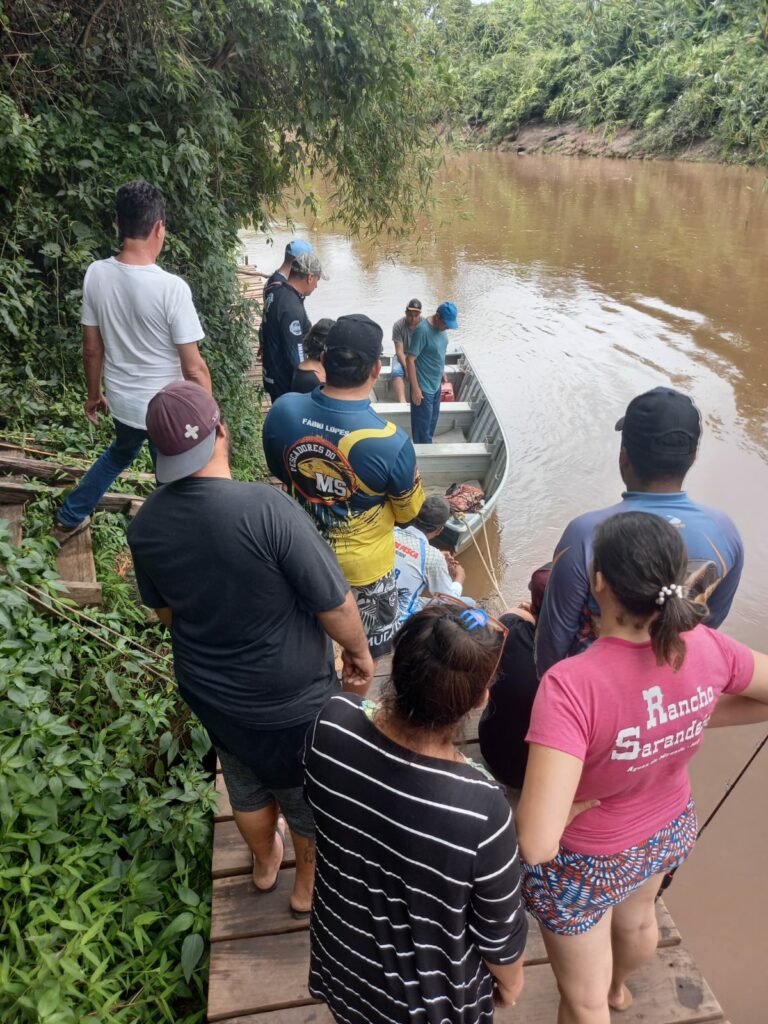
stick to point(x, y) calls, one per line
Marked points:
point(319, 471)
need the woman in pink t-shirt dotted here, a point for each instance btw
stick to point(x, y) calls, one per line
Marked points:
point(612, 731)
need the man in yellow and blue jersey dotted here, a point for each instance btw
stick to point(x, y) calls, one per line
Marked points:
point(353, 471)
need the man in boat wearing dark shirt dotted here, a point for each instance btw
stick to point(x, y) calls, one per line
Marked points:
point(354, 472)
point(659, 440)
point(285, 322)
point(252, 596)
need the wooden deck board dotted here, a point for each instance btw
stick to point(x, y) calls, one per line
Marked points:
point(13, 515)
point(266, 974)
point(77, 569)
point(239, 911)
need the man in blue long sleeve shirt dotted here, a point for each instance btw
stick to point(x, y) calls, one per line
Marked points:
point(659, 439)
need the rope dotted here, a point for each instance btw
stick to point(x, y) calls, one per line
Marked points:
point(44, 597)
point(486, 565)
point(668, 878)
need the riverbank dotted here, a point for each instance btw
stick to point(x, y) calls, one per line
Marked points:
point(572, 139)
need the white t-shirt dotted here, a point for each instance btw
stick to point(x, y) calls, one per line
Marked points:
point(143, 313)
point(418, 565)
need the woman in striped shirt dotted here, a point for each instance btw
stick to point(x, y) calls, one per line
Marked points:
point(416, 914)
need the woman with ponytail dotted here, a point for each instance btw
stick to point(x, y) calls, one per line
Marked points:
point(417, 912)
point(615, 728)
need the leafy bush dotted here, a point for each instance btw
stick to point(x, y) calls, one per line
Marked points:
point(105, 817)
point(679, 71)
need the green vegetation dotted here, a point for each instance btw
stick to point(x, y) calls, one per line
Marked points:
point(227, 105)
point(679, 71)
point(105, 813)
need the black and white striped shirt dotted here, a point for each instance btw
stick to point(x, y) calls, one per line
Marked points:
point(418, 878)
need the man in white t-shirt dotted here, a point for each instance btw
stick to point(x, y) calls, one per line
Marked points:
point(418, 565)
point(140, 332)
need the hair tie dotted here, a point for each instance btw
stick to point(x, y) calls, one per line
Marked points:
point(673, 590)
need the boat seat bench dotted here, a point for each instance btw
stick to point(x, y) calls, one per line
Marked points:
point(453, 415)
point(444, 464)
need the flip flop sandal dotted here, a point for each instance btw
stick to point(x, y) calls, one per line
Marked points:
point(300, 915)
point(280, 831)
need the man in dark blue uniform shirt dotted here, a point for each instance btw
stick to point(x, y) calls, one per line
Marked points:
point(285, 322)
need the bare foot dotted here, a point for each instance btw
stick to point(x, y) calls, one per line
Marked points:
point(622, 1001)
point(265, 879)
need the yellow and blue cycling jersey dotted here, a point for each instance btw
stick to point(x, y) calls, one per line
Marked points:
point(353, 471)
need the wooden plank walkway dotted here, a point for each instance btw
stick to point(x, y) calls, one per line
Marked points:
point(260, 954)
point(74, 560)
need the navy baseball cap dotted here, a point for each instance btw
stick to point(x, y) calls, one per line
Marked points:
point(356, 333)
point(447, 312)
point(661, 422)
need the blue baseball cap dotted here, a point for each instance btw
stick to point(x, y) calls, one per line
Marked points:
point(447, 312)
point(297, 247)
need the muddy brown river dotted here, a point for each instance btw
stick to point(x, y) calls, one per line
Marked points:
point(580, 283)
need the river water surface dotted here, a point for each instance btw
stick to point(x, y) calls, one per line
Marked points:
point(581, 283)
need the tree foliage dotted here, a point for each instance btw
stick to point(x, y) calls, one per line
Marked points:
point(678, 70)
point(224, 104)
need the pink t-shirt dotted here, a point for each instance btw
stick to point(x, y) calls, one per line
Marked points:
point(635, 725)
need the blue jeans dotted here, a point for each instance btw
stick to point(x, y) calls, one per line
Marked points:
point(424, 418)
point(103, 473)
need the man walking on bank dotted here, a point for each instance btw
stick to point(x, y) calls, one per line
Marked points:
point(353, 471)
point(140, 332)
point(425, 362)
point(252, 596)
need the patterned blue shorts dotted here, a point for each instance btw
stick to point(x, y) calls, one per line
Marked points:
point(570, 893)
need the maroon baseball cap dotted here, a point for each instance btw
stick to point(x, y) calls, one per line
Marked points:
point(181, 423)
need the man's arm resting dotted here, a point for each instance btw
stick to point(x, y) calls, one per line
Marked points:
point(343, 625)
point(93, 366)
point(193, 366)
point(413, 380)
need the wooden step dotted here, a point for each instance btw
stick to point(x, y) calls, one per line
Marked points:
point(12, 492)
point(77, 569)
point(15, 461)
point(238, 911)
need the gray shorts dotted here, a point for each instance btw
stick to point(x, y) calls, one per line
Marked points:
point(248, 793)
point(378, 607)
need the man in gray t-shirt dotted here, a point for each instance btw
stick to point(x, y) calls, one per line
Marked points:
point(402, 331)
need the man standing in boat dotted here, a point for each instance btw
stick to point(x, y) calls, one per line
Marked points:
point(252, 596)
point(660, 435)
point(354, 472)
point(402, 332)
point(425, 362)
point(140, 332)
point(285, 322)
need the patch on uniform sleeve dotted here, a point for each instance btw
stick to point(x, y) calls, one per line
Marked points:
point(295, 328)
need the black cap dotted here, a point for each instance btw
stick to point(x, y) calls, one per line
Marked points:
point(433, 514)
point(357, 333)
point(661, 422)
point(414, 304)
